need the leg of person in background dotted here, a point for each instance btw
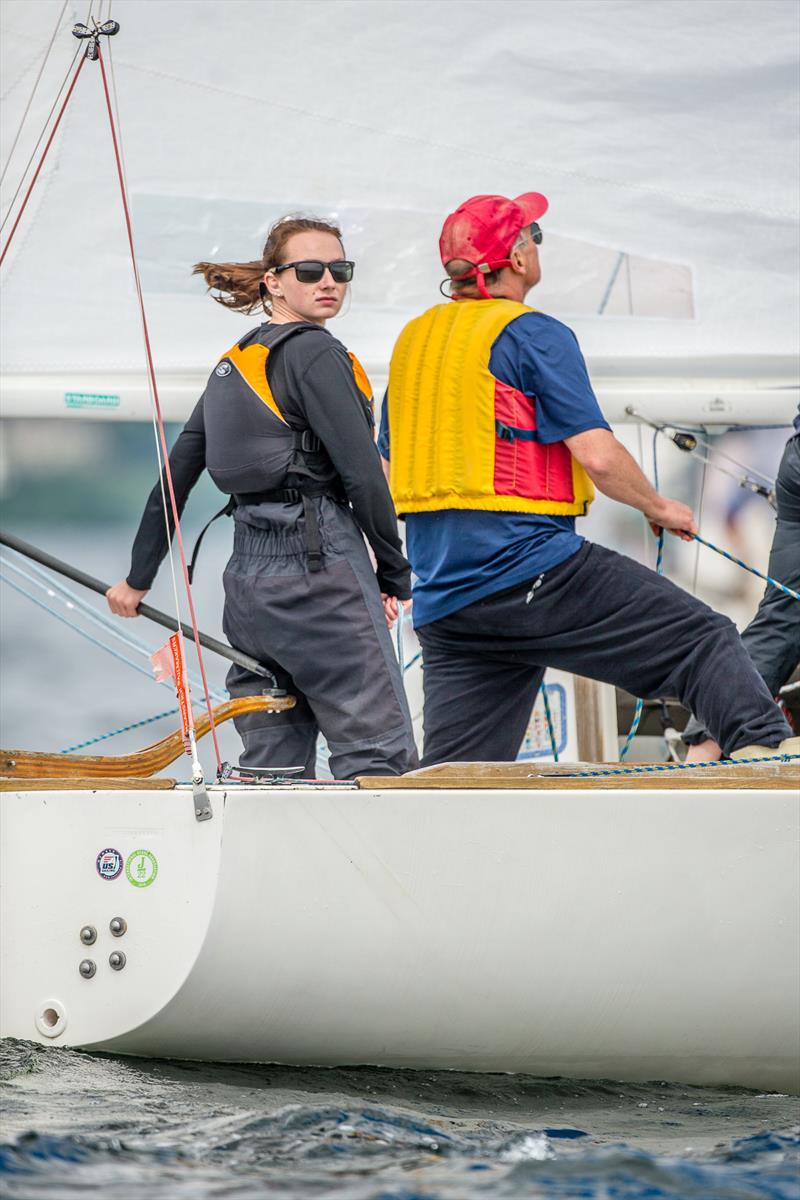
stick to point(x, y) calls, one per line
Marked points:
point(773, 636)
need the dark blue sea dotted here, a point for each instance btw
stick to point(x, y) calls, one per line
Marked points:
point(77, 1124)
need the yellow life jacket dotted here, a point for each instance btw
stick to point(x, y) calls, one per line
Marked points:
point(459, 437)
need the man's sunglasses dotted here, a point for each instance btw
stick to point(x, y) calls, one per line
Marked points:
point(311, 271)
point(534, 235)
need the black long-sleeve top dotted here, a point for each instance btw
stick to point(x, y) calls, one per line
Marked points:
point(313, 381)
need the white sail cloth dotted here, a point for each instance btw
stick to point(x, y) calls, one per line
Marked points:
point(663, 134)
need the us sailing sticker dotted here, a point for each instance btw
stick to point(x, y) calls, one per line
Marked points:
point(141, 868)
point(109, 863)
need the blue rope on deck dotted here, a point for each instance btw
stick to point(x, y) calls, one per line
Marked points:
point(652, 768)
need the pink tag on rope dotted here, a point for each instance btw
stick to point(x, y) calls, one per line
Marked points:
point(168, 663)
point(181, 683)
point(162, 662)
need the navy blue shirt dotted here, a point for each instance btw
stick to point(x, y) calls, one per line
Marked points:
point(459, 556)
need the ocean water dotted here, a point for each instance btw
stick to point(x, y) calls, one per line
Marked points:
point(78, 1124)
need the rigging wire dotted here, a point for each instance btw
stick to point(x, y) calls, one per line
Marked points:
point(687, 441)
point(153, 400)
point(24, 174)
point(71, 625)
point(700, 502)
point(162, 434)
point(44, 155)
point(154, 407)
point(72, 600)
point(24, 117)
point(10, 208)
point(639, 709)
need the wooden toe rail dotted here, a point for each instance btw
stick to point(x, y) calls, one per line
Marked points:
point(518, 776)
point(34, 764)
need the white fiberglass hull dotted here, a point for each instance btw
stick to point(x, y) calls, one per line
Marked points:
point(631, 935)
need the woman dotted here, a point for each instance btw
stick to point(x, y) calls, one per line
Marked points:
point(285, 428)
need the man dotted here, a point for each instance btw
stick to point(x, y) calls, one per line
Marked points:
point(494, 439)
point(773, 636)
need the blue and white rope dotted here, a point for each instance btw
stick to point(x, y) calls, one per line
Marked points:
point(549, 718)
point(652, 768)
point(400, 645)
point(168, 712)
point(732, 558)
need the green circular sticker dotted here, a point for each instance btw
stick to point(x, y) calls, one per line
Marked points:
point(141, 868)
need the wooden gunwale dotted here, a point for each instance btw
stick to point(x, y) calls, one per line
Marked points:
point(39, 765)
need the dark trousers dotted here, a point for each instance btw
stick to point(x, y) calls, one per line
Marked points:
point(598, 614)
point(773, 636)
point(324, 636)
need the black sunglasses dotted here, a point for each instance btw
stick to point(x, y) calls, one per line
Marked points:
point(535, 234)
point(311, 270)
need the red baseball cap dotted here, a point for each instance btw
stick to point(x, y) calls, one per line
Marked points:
point(483, 229)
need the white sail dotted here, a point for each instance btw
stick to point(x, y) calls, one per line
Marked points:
point(663, 135)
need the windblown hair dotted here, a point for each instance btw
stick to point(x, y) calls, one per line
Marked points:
point(237, 283)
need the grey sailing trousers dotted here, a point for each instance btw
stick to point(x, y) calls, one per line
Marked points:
point(324, 636)
point(598, 614)
point(773, 636)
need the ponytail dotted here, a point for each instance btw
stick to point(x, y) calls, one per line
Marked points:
point(236, 283)
point(239, 285)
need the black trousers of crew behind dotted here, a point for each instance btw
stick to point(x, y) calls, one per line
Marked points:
point(772, 638)
point(598, 614)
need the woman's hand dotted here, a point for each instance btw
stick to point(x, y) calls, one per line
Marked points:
point(391, 608)
point(123, 600)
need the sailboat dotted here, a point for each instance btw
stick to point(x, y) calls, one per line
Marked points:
point(575, 918)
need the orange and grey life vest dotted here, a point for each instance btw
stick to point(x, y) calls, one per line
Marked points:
point(459, 437)
point(251, 443)
point(252, 450)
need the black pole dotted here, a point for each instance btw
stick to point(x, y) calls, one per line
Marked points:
point(145, 610)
